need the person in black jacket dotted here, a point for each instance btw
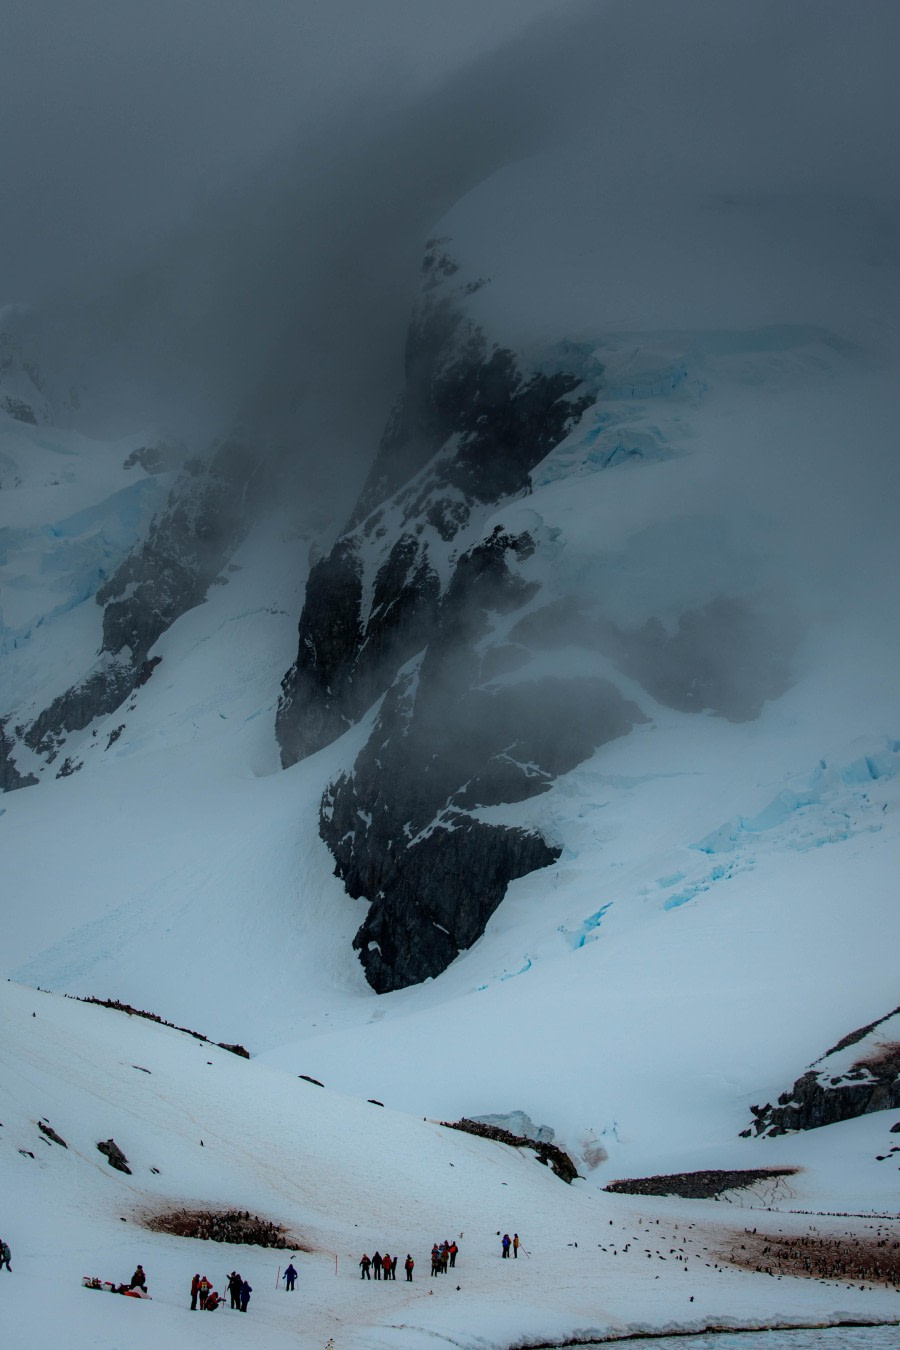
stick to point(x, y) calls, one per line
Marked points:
point(364, 1268)
point(376, 1265)
point(246, 1291)
point(234, 1289)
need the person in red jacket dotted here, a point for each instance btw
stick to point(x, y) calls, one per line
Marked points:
point(386, 1265)
point(408, 1266)
point(195, 1289)
point(203, 1290)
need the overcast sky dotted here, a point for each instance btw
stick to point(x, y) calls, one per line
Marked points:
point(238, 190)
point(118, 116)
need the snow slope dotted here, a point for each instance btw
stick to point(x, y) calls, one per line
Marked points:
point(724, 907)
point(344, 1176)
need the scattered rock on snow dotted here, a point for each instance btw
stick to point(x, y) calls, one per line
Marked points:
point(115, 1156)
point(51, 1133)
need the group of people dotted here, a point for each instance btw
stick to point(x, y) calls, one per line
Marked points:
point(203, 1293)
point(443, 1257)
point(384, 1267)
point(506, 1242)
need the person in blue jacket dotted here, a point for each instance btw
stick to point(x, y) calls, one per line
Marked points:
point(290, 1276)
point(246, 1291)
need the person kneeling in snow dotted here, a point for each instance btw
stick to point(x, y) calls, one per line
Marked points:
point(213, 1301)
point(139, 1280)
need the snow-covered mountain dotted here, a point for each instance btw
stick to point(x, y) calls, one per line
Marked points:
point(558, 780)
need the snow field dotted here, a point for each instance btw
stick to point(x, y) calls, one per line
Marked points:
point(344, 1176)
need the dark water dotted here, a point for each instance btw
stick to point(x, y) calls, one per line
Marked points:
point(823, 1338)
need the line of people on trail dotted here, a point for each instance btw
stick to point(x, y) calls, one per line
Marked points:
point(385, 1267)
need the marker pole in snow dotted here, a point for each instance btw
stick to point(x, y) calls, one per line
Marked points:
point(278, 1278)
point(335, 1264)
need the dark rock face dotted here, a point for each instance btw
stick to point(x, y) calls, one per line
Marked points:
point(405, 607)
point(208, 513)
point(829, 1092)
point(186, 548)
point(400, 826)
point(551, 1155)
point(10, 778)
point(498, 424)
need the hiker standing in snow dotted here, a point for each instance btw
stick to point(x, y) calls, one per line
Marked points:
point(408, 1266)
point(139, 1280)
point(376, 1265)
point(516, 1244)
point(505, 1244)
point(453, 1250)
point(5, 1254)
point(203, 1289)
point(290, 1276)
point(386, 1263)
point(234, 1289)
point(435, 1260)
point(195, 1289)
point(364, 1268)
point(246, 1291)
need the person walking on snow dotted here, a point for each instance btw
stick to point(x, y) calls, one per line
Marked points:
point(5, 1254)
point(195, 1289)
point(408, 1266)
point(290, 1275)
point(376, 1265)
point(364, 1268)
point(516, 1245)
point(246, 1291)
point(505, 1244)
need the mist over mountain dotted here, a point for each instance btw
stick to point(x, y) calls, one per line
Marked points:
point(448, 608)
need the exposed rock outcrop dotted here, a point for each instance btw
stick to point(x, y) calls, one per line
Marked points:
point(209, 511)
point(549, 1154)
point(114, 1155)
point(404, 607)
point(858, 1075)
